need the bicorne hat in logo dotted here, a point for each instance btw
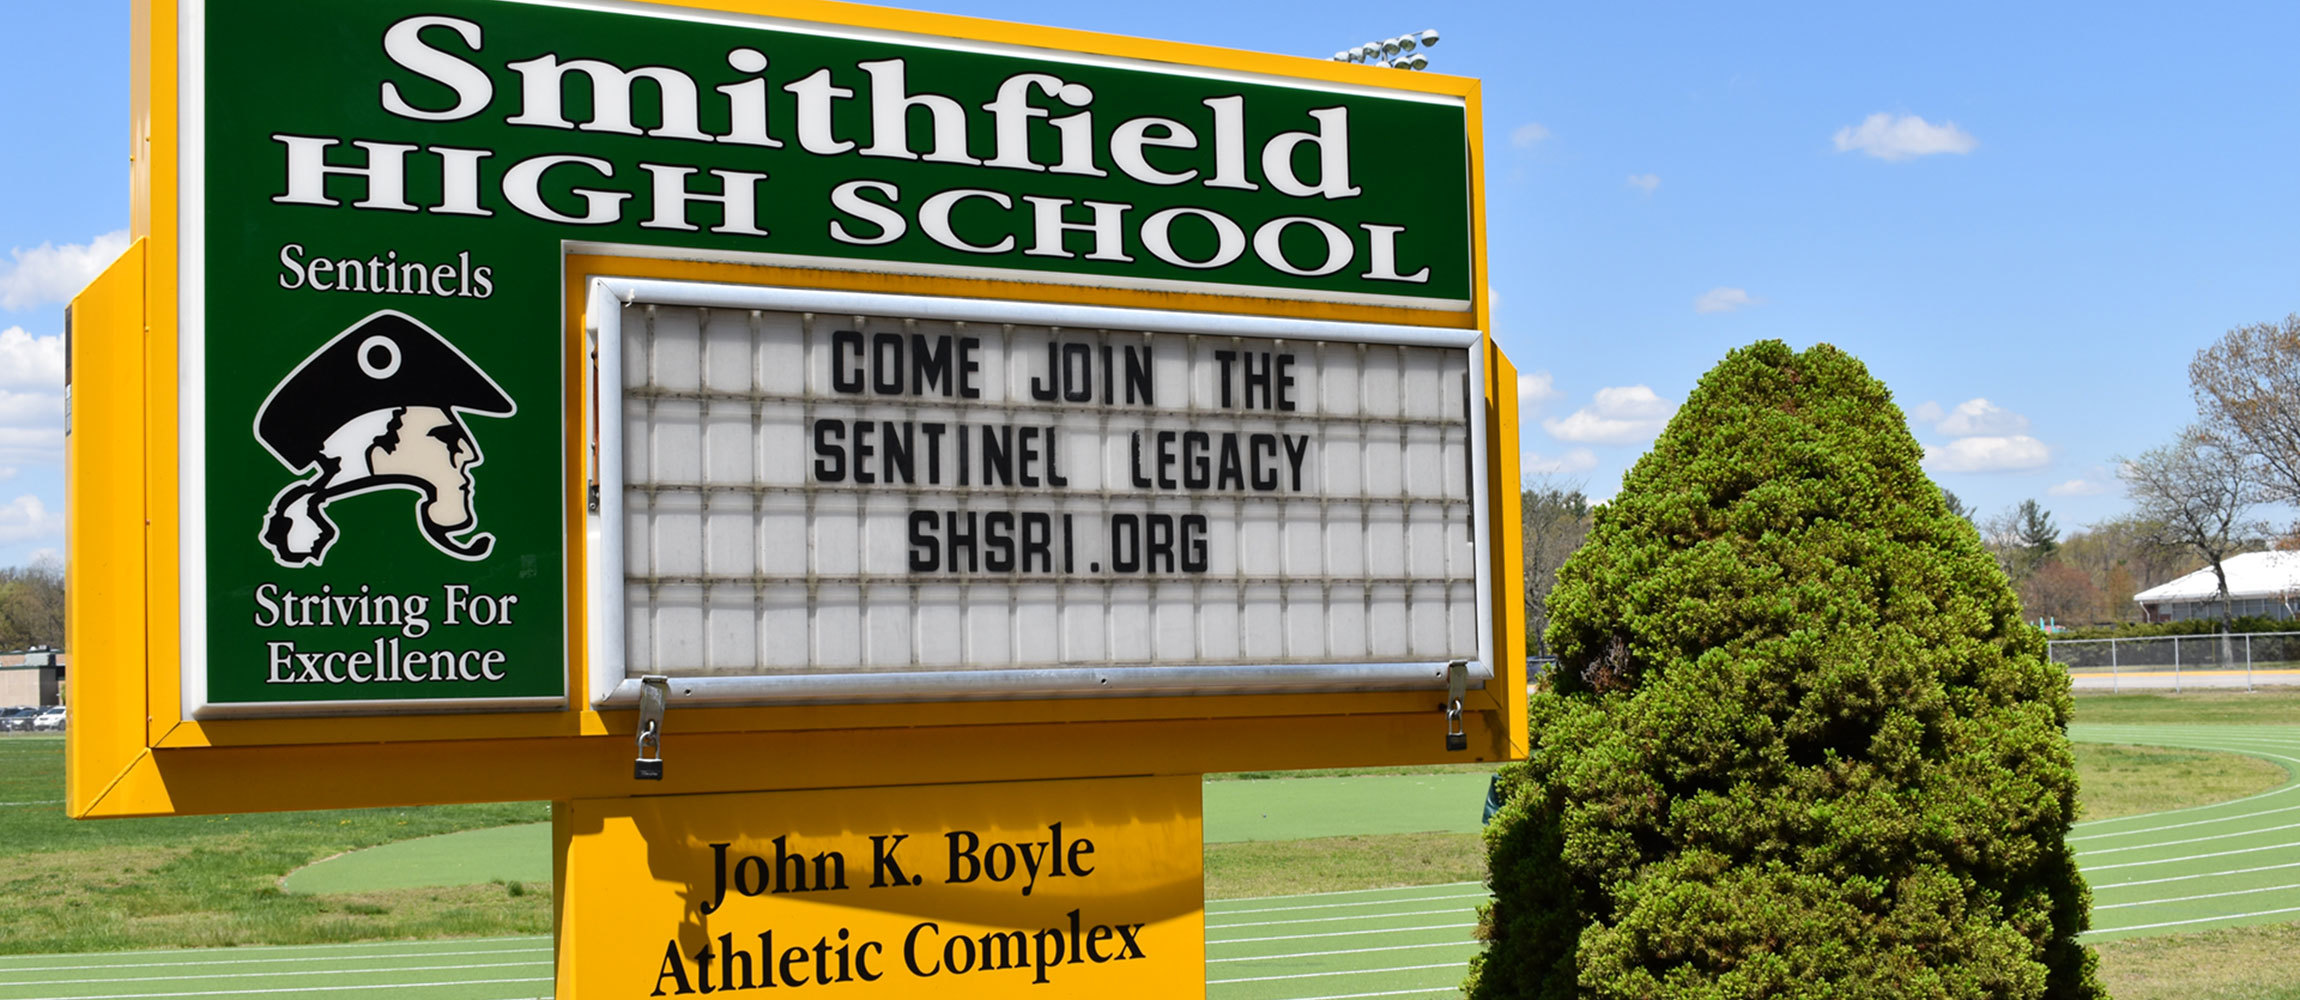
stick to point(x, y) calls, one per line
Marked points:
point(380, 406)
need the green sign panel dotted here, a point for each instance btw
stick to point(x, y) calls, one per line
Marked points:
point(379, 196)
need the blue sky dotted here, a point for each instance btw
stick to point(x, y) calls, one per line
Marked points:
point(2025, 218)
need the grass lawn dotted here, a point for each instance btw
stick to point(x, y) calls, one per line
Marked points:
point(2123, 780)
point(2267, 706)
point(214, 880)
point(2240, 963)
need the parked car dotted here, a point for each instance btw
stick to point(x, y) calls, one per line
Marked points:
point(50, 720)
point(18, 719)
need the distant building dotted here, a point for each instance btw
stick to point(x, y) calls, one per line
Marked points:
point(31, 677)
point(2260, 585)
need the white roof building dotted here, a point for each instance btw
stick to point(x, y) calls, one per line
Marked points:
point(2260, 584)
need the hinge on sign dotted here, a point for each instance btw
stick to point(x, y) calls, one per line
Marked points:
point(1456, 685)
point(653, 692)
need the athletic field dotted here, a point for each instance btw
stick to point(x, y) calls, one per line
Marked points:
point(1379, 943)
point(2221, 865)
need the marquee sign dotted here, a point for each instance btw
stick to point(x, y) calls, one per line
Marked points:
point(375, 421)
point(842, 496)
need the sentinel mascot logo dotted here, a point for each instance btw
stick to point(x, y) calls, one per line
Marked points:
point(379, 407)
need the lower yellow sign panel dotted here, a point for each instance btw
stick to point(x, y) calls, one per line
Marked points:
point(1089, 888)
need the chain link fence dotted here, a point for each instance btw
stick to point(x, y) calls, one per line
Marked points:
point(2237, 661)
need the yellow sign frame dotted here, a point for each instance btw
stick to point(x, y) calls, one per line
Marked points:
point(132, 751)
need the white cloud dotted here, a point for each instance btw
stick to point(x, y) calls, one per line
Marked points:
point(1574, 461)
point(50, 273)
point(1980, 417)
point(31, 409)
point(1991, 453)
point(50, 555)
point(1534, 389)
point(31, 395)
point(1927, 412)
point(1628, 414)
point(1645, 182)
point(1900, 138)
point(29, 362)
point(26, 518)
point(1527, 134)
point(1723, 299)
point(2078, 488)
point(37, 443)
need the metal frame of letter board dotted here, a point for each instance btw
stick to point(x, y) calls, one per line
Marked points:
point(611, 688)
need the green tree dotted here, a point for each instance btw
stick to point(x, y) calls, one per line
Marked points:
point(32, 605)
point(1798, 743)
point(2039, 537)
point(1555, 519)
point(1956, 506)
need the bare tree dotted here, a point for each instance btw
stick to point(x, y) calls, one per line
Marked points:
point(2247, 389)
point(2062, 593)
point(1556, 520)
point(2197, 491)
point(2121, 558)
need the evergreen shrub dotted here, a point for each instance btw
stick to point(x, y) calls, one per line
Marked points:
point(1799, 742)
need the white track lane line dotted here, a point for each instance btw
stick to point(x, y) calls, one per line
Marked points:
point(2188, 878)
point(1328, 920)
point(2198, 920)
point(1447, 992)
point(1350, 951)
point(1337, 906)
point(297, 972)
point(2190, 840)
point(1316, 975)
point(2182, 899)
point(303, 947)
point(295, 989)
point(2192, 857)
point(1335, 934)
point(1339, 892)
point(2182, 826)
point(257, 961)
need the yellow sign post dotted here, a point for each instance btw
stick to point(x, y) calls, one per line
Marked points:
point(587, 402)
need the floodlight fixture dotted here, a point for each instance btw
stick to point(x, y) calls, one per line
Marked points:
point(1395, 53)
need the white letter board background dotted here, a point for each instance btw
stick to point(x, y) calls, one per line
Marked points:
point(736, 562)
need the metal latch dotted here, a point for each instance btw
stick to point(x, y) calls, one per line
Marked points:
point(653, 691)
point(1457, 685)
